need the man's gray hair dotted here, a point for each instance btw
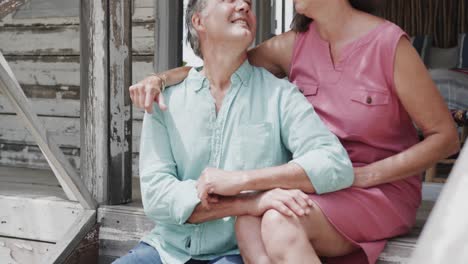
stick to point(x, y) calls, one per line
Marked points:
point(194, 6)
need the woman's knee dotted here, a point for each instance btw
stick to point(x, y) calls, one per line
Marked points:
point(280, 228)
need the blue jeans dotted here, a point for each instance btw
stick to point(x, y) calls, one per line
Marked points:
point(146, 254)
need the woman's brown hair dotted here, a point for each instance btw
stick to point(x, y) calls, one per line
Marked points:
point(301, 23)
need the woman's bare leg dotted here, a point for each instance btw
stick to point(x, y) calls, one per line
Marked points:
point(285, 239)
point(250, 240)
point(302, 239)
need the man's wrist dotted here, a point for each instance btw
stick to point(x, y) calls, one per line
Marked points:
point(162, 78)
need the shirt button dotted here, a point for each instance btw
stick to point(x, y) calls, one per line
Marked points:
point(369, 100)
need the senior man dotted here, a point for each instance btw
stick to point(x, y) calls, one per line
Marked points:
point(229, 128)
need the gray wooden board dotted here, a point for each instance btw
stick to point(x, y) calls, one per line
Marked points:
point(52, 216)
point(63, 72)
point(64, 131)
point(143, 11)
point(120, 105)
point(68, 108)
point(30, 156)
point(61, 40)
point(22, 251)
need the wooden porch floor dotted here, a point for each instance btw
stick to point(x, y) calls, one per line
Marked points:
point(122, 226)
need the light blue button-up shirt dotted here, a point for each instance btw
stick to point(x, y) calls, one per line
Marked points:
point(264, 121)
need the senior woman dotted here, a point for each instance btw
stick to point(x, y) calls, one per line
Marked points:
point(369, 86)
point(234, 122)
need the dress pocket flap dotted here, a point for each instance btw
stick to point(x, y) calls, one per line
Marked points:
point(369, 97)
point(307, 89)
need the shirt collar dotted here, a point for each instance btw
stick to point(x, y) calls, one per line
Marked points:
point(198, 81)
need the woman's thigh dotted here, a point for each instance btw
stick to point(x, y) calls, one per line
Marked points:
point(325, 238)
point(140, 254)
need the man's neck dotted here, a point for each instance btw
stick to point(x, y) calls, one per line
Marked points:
point(220, 64)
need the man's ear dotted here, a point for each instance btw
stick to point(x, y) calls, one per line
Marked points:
point(197, 22)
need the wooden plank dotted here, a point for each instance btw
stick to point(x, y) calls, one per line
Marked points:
point(72, 237)
point(63, 40)
point(57, 108)
point(64, 131)
point(121, 229)
point(64, 71)
point(142, 12)
point(22, 251)
point(52, 216)
point(123, 226)
point(94, 97)
point(31, 157)
point(27, 156)
point(70, 181)
point(443, 240)
point(120, 104)
point(168, 32)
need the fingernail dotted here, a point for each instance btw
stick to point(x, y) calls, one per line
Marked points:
point(307, 211)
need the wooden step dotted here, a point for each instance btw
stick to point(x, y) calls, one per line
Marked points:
point(38, 224)
point(123, 226)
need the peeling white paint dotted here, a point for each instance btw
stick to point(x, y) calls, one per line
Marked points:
point(6, 257)
point(24, 246)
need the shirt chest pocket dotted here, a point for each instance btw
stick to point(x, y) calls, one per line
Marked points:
point(251, 146)
point(307, 88)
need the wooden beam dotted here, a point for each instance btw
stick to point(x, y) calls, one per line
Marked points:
point(443, 240)
point(72, 238)
point(168, 34)
point(68, 178)
point(94, 15)
point(106, 124)
point(263, 10)
point(120, 105)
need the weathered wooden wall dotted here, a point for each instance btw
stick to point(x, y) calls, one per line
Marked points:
point(44, 55)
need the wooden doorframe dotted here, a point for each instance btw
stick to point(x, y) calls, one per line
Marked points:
point(168, 16)
point(106, 112)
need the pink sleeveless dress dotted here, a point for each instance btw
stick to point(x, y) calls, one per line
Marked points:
point(356, 99)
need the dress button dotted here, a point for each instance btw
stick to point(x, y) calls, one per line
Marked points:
point(369, 100)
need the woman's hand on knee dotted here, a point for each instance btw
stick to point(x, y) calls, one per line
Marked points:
point(286, 202)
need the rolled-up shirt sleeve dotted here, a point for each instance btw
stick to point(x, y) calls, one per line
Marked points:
point(165, 197)
point(313, 146)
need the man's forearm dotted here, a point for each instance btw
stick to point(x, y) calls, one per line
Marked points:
point(287, 176)
point(226, 206)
